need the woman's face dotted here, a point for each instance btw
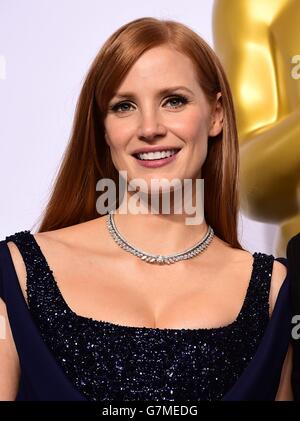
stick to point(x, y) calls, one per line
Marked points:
point(141, 115)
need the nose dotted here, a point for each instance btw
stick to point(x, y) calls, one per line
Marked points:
point(150, 127)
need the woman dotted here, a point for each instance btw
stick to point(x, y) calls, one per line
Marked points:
point(107, 322)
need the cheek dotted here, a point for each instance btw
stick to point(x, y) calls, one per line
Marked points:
point(116, 140)
point(117, 133)
point(193, 128)
point(196, 134)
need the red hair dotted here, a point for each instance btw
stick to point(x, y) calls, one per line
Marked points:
point(87, 157)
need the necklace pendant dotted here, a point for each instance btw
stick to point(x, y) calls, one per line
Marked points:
point(160, 259)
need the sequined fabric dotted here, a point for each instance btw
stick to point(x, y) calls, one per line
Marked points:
point(107, 361)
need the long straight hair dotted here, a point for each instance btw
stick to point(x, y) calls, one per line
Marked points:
point(87, 157)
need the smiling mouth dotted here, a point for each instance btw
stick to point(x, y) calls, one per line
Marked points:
point(136, 155)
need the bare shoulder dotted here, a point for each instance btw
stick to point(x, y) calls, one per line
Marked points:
point(279, 273)
point(238, 261)
point(230, 256)
point(55, 243)
point(89, 236)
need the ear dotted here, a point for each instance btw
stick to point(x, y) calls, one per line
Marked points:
point(217, 115)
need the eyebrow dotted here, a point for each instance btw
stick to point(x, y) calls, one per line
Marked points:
point(160, 92)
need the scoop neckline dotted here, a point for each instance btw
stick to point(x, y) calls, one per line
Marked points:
point(145, 329)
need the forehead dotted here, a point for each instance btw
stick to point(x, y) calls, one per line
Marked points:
point(161, 66)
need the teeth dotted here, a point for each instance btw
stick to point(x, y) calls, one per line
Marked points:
point(156, 155)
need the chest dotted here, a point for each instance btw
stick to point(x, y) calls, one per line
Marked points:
point(127, 291)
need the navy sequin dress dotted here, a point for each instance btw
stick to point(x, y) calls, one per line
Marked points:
point(64, 356)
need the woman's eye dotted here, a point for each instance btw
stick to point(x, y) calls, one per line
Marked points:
point(178, 98)
point(117, 106)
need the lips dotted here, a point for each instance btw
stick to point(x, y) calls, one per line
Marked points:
point(160, 150)
point(156, 163)
point(155, 149)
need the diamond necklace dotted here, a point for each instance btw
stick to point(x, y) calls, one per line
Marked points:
point(150, 258)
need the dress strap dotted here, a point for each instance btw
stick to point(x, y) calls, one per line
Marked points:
point(32, 257)
point(38, 273)
point(256, 304)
